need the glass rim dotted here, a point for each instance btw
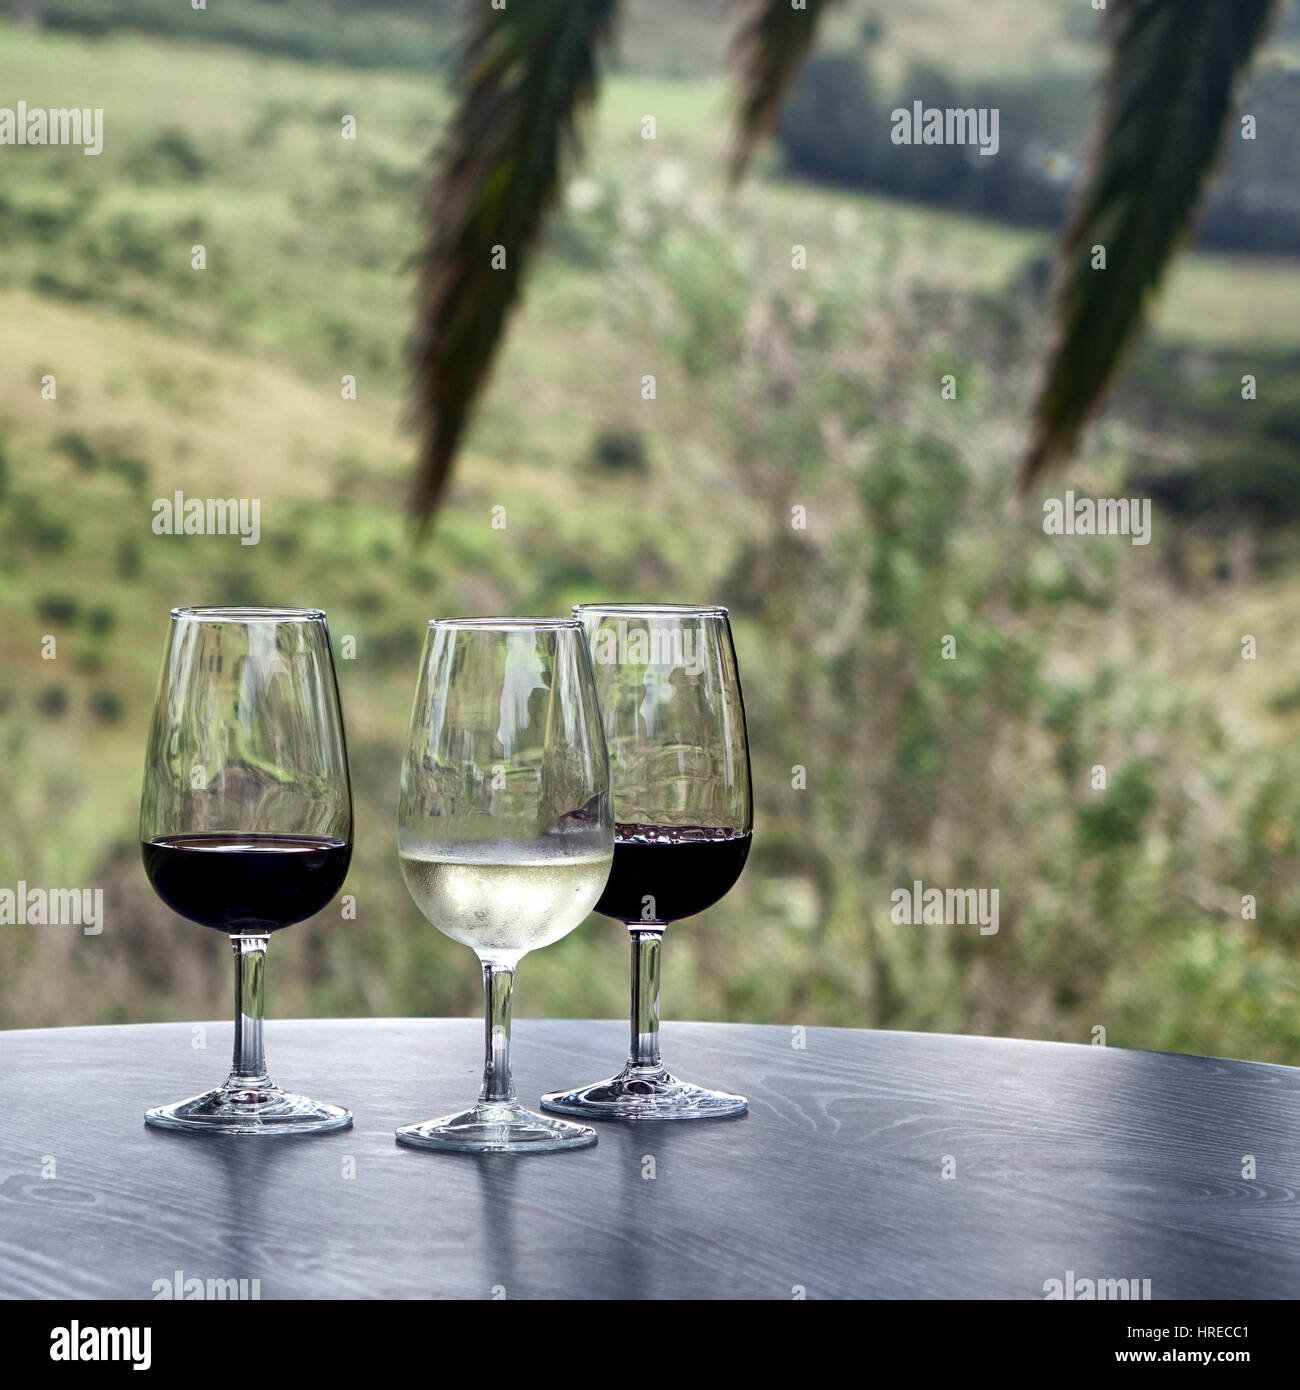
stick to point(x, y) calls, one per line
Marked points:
point(505, 624)
point(668, 610)
point(247, 613)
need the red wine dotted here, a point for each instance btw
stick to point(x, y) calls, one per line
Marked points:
point(246, 885)
point(684, 869)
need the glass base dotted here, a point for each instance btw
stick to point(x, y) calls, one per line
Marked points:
point(249, 1109)
point(645, 1093)
point(496, 1127)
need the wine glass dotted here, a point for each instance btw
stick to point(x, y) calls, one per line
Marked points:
point(505, 831)
point(669, 691)
point(246, 821)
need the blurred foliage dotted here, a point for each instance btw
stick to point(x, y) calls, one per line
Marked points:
point(836, 127)
point(776, 389)
point(362, 33)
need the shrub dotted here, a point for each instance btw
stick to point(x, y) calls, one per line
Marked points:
point(101, 620)
point(57, 608)
point(620, 450)
point(75, 446)
point(52, 701)
point(129, 563)
point(106, 706)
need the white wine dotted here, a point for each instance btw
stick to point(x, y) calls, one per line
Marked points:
point(504, 897)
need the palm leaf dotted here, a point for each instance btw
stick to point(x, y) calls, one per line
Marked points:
point(1174, 69)
point(524, 73)
point(770, 46)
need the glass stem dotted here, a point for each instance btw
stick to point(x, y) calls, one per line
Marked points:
point(646, 942)
point(249, 1064)
point(498, 982)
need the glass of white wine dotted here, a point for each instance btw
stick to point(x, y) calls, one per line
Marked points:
point(505, 831)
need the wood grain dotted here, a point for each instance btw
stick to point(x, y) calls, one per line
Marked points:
point(1109, 1163)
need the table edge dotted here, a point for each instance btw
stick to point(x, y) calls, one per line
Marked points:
point(992, 1039)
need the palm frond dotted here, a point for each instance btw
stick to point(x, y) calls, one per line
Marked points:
point(770, 46)
point(1174, 69)
point(525, 72)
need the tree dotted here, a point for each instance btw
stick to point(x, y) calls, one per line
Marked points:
point(528, 70)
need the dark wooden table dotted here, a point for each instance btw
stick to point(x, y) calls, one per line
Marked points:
point(1107, 1163)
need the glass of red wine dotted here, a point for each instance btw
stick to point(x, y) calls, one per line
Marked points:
point(669, 692)
point(246, 821)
